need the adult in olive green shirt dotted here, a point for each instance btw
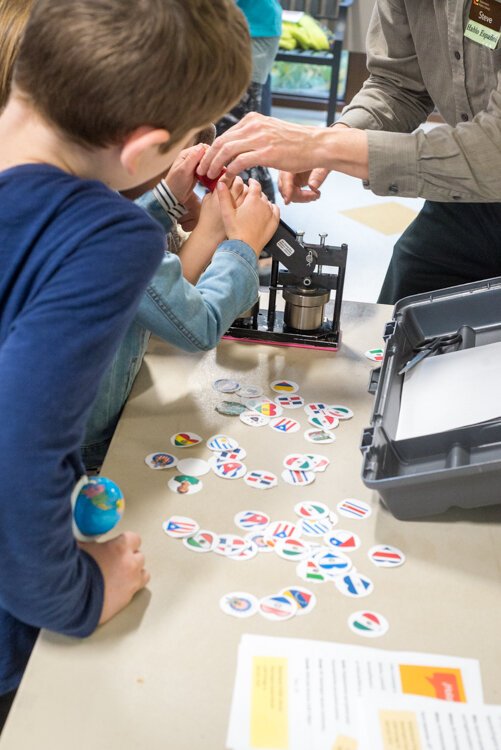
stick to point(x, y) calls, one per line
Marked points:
point(418, 59)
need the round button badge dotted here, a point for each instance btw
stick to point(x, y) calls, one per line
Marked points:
point(368, 624)
point(180, 526)
point(311, 510)
point(201, 541)
point(298, 478)
point(250, 391)
point(319, 436)
point(185, 439)
point(277, 608)
point(268, 409)
point(354, 509)
point(159, 461)
point(230, 408)
point(325, 421)
point(284, 386)
point(285, 426)
point(226, 385)
point(230, 469)
point(260, 480)
point(375, 355)
point(386, 556)
point(195, 467)
point(341, 539)
point(332, 563)
point(221, 443)
point(292, 549)
point(252, 519)
point(239, 604)
point(354, 584)
point(184, 484)
point(289, 402)
point(304, 598)
point(254, 419)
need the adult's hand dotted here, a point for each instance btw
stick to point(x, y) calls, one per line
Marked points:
point(299, 149)
point(264, 141)
point(304, 187)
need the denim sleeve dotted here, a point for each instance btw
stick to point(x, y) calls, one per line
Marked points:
point(149, 203)
point(194, 318)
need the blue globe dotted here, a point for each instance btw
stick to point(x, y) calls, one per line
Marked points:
point(99, 506)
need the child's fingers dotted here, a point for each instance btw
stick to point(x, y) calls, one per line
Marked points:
point(237, 188)
point(241, 198)
point(225, 201)
point(254, 187)
point(191, 158)
point(229, 179)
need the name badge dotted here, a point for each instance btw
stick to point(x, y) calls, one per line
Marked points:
point(484, 23)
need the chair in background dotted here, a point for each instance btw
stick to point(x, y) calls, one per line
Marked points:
point(331, 13)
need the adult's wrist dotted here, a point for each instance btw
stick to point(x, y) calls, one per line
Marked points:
point(346, 150)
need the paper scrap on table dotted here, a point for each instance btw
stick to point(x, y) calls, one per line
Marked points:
point(292, 694)
point(448, 391)
point(423, 724)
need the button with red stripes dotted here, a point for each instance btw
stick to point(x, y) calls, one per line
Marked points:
point(351, 508)
point(386, 556)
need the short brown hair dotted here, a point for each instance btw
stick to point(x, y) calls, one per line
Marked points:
point(14, 15)
point(99, 69)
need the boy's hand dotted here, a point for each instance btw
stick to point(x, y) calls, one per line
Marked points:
point(189, 220)
point(122, 565)
point(181, 176)
point(254, 221)
point(211, 221)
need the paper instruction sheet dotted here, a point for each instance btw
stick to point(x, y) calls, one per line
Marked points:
point(423, 724)
point(292, 694)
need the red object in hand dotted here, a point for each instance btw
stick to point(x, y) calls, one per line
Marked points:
point(209, 183)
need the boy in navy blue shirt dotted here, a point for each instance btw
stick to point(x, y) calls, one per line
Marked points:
point(104, 96)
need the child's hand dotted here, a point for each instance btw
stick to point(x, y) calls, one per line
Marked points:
point(181, 176)
point(254, 221)
point(122, 564)
point(211, 222)
point(189, 220)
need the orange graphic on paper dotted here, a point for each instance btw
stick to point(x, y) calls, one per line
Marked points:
point(433, 682)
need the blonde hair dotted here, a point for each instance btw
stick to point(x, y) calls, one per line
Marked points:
point(99, 69)
point(14, 16)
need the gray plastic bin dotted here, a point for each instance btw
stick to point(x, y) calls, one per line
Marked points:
point(427, 475)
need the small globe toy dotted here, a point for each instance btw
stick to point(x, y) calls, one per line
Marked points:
point(99, 506)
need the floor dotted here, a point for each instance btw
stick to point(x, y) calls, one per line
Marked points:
point(368, 224)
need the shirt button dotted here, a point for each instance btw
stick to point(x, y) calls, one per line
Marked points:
point(464, 117)
point(393, 188)
point(457, 55)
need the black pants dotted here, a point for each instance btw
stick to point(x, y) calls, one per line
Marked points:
point(446, 244)
point(5, 704)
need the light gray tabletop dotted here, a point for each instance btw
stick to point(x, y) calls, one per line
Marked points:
point(160, 674)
